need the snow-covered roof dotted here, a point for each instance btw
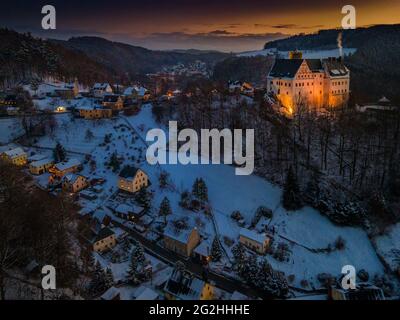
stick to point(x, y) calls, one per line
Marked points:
point(144, 293)
point(8, 147)
point(141, 91)
point(17, 152)
point(110, 294)
point(181, 235)
point(184, 286)
point(203, 249)
point(38, 157)
point(86, 107)
point(71, 178)
point(236, 295)
point(249, 234)
point(67, 164)
point(41, 162)
point(126, 209)
point(100, 86)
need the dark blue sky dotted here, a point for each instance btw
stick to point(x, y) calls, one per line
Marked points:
point(208, 24)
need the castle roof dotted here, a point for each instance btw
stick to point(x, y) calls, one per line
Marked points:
point(287, 68)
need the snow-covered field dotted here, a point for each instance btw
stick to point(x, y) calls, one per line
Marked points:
point(388, 246)
point(307, 227)
point(307, 54)
point(303, 230)
point(10, 128)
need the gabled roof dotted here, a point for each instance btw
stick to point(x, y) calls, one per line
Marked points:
point(180, 235)
point(68, 164)
point(15, 152)
point(144, 293)
point(250, 234)
point(110, 294)
point(287, 68)
point(110, 98)
point(71, 178)
point(103, 234)
point(314, 64)
point(335, 67)
point(41, 162)
point(128, 172)
point(184, 286)
point(101, 86)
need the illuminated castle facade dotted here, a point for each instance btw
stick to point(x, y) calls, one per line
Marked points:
point(316, 83)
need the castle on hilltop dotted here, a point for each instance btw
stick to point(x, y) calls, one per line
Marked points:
point(317, 83)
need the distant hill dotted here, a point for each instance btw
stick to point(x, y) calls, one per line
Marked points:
point(124, 58)
point(24, 57)
point(327, 39)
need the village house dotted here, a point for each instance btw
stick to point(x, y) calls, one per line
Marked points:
point(105, 240)
point(361, 292)
point(74, 183)
point(8, 100)
point(234, 86)
point(62, 168)
point(132, 179)
point(112, 294)
point(181, 241)
point(114, 102)
point(101, 89)
point(183, 285)
point(145, 293)
point(129, 212)
point(247, 89)
point(318, 83)
point(94, 112)
point(16, 156)
point(137, 92)
point(202, 253)
point(253, 240)
point(374, 108)
point(41, 166)
point(37, 157)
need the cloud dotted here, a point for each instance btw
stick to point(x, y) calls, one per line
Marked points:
point(220, 33)
point(287, 26)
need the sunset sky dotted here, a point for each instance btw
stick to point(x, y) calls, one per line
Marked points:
point(181, 24)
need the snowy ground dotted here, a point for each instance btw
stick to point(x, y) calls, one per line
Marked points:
point(307, 54)
point(303, 230)
point(388, 246)
point(228, 192)
point(10, 128)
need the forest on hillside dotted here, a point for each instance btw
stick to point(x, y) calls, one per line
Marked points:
point(23, 57)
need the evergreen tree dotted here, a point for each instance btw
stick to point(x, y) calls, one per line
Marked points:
point(216, 252)
point(98, 283)
point(312, 189)
point(136, 272)
point(239, 256)
point(109, 278)
point(114, 162)
point(185, 199)
point(165, 209)
point(143, 198)
point(271, 281)
point(89, 135)
point(199, 190)
point(59, 153)
point(163, 179)
point(291, 192)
